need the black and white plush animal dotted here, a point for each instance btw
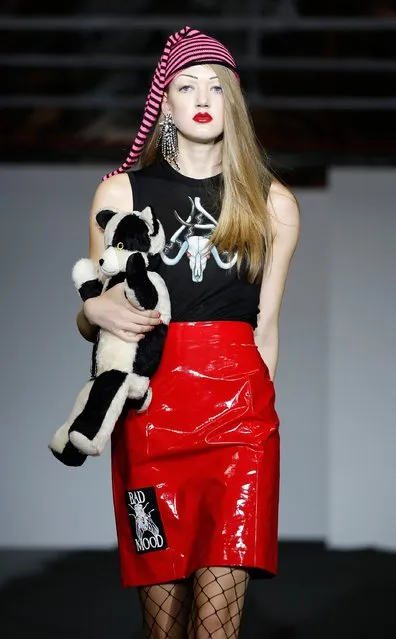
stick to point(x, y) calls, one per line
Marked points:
point(121, 370)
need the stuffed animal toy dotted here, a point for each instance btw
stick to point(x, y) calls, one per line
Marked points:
point(121, 371)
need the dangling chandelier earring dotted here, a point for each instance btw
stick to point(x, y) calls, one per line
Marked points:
point(168, 140)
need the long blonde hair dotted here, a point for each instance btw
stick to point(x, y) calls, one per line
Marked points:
point(244, 224)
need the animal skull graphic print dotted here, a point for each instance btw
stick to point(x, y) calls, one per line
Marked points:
point(197, 247)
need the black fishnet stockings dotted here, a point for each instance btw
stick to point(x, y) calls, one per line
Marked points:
point(219, 595)
point(165, 610)
point(209, 607)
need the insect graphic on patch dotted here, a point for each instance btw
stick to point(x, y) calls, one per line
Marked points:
point(143, 520)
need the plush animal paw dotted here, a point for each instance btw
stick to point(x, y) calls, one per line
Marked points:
point(63, 449)
point(70, 456)
point(90, 447)
point(146, 401)
point(85, 279)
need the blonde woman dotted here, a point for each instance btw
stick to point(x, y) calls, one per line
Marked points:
point(196, 476)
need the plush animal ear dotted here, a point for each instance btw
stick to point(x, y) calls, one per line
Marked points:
point(148, 216)
point(103, 217)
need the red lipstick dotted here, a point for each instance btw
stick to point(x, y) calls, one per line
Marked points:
point(202, 117)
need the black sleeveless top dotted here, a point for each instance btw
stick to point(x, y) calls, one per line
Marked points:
point(203, 284)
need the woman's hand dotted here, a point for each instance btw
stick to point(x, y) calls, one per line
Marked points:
point(113, 312)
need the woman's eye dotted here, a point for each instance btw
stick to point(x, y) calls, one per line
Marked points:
point(217, 89)
point(185, 88)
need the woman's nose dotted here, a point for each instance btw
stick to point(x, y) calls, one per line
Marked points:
point(203, 97)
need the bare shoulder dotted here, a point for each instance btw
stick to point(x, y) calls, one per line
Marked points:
point(113, 193)
point(284, 211)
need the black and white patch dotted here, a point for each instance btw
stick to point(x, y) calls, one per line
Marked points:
point(145, 520)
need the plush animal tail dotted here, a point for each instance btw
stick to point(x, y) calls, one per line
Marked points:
point(93, 427)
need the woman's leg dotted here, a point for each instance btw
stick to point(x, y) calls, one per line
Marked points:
point(218, 598)
point(166, 609)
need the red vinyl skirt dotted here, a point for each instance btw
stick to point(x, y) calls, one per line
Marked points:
point(196, 475)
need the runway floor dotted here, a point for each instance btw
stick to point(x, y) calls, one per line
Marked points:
point(318, 594)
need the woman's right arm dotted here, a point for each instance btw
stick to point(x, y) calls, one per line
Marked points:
point(111, 310)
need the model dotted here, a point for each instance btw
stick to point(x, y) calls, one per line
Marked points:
point(196, 475)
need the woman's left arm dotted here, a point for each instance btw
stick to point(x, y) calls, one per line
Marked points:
point(284, 213)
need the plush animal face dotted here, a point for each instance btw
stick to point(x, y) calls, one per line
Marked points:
point(127, 233)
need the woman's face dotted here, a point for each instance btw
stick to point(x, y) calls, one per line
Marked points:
point(195, 100)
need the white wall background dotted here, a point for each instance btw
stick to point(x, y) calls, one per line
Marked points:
point(335, 382)
point(362, 360)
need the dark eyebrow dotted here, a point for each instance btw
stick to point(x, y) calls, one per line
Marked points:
point(195, 77)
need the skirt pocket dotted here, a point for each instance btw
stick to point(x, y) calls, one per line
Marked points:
point(223, 399)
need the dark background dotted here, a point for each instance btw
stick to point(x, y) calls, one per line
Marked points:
point(319, 77)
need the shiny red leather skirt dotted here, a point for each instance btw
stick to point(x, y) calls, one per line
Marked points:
point(196, 476)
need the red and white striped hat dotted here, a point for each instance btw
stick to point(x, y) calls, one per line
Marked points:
point(183, 49)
